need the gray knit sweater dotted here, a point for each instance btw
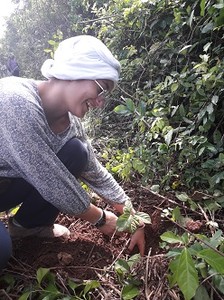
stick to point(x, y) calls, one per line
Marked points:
point(28, 150)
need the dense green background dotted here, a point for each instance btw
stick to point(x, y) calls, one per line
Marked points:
point(164, 123)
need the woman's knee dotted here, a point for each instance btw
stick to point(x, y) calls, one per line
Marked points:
point(74, 155)
point(5, 246)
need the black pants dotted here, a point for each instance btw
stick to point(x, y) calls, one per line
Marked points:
point(34, 210)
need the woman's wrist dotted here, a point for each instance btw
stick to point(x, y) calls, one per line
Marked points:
point(98, 219)
point(93, 214)
point(101, 221)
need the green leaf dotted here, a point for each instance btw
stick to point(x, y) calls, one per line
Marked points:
point(201, 293)
point(201, 150)
point(191, 18)
point(214, 259)
point(129, 291)
point(215, 99)
point(142, 108)
point(130, 105)
point(128, 221)
point(122, 109)
point(185, 238)
point(51, 42)
point(182, 111)
point(155, 188)
point(128, 207)
point(220, 200)
point(218, 282)
point(138, 165)
point(124, 222)
point(217, 136)
point(174, 87)
point(48, 297)
point(133, 259)
point(25, 296)
point(207, 27)
point(121, 266)
point(187, 277)
point(168, 137)
point(173, 252)
point(144, 217)
point(162, 148)
point(217, 178)
point(210, 108)
point(52, 288)
point(171, 238)
point(202, 7)
point(183, 50)
point(176, 214)
point(219, 6)
point(90, 285)
point(216, 239)
point(41, 273)
point(206, 47)
point(173, 267)
point(202, 268)
point(73, 285)
point(9, 279)
point(182, 197)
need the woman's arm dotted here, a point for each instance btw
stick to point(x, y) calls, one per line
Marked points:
point(94, 214)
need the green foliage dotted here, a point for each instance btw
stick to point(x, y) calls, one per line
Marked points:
point(30, 28)
point(126, 275)
point(195, 258)
point(167, 125)
point(46, 288)
point(185, 274)
point(124, 164)
point(171, 88)
point(54, 42)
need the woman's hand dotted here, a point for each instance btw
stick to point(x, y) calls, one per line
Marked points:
point(92, 214)
point(138, 239)
point(110, 226)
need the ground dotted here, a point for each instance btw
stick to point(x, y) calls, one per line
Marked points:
point(88, 254)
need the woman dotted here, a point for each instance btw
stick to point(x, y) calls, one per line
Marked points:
point(44, 151)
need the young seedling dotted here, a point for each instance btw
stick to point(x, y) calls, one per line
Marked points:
point(130, 222)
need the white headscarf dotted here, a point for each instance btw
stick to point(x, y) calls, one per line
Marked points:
point(82, 57)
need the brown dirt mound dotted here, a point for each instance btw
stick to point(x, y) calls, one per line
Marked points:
point(88, 254)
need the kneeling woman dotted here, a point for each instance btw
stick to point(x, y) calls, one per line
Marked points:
point(44, 150)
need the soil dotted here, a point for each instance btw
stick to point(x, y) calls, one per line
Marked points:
point(89, 255)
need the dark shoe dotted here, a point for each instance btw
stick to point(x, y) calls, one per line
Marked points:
point(52, 231)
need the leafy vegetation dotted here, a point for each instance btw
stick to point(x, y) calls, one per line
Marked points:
point(174, 100)
point(167, 124)
point(46, 287)
point(194, 257)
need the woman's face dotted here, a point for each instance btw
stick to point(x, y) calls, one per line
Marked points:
point(83, 95)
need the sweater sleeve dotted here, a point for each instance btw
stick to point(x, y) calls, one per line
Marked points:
point(27, 150)
point(102, 182)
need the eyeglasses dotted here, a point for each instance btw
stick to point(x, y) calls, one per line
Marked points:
point(104, 92)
